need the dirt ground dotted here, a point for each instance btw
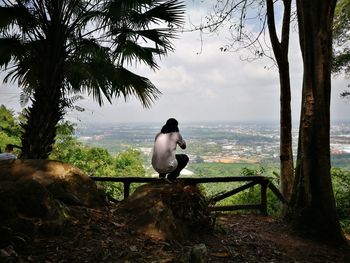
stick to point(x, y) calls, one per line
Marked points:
point(103, 235)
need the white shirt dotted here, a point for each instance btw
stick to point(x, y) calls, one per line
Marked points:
point(7, 156)
point(163, 158)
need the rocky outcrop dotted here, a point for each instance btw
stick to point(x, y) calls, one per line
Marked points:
point(27, 208)
point(168, 211)
point(33, 194)
point(65, 182)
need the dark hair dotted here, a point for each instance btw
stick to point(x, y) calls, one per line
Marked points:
point(170, 126)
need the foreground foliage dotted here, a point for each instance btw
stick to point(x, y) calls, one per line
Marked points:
point(341, 185)
point(9, 128)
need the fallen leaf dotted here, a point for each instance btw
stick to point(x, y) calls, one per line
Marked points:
point(133, 248)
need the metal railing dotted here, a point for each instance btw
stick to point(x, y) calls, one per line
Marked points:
point(264, 183)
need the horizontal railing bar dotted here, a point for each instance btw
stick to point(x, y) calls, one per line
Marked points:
point(124, 179)
point(234, 207)
point(187, 180)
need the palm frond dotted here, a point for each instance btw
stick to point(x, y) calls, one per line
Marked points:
point(170, 11)
point(17, 15)
point(131, 51)
point(83, 78)
point(104, 80)
point(128, 84)
point(90, 76)
point(25, 70)
point(69, 101)
point(88, 48)
point(143, 14)
point(9, 15)
point(117, 9)
point(89, 69)
point(10, 48)
point(161, 37)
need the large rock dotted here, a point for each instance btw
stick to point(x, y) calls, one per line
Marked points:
point(64, 181)
point(26, 207)
point(168, 211)
point(29, 198)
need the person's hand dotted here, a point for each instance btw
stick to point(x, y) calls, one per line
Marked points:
point(183, 146)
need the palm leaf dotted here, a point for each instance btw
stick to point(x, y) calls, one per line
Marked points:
point(130, 51)
point(17, 15)
point(10, 15)
point(129, 84)
point(86, 78)
point(91, 76)
point(10, 48)
point(161, 37)
point(25, 58)
point(170, 11)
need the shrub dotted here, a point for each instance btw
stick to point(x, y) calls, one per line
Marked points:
point(341, 187)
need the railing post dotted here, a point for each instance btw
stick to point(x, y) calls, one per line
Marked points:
point(126, 189)
point(263, 204)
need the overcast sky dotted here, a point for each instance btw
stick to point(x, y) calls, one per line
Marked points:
point(201, 83)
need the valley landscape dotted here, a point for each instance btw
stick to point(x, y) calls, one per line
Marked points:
point(213, 144)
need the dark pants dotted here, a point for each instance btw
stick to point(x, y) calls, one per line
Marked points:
point(182, 160)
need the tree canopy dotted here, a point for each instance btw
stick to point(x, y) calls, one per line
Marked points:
point(54, 49)
point(341, 36)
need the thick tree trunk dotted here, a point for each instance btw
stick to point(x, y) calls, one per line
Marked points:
point(280, 49)
point(312, 206)
point(47, 105)
point(40, 129)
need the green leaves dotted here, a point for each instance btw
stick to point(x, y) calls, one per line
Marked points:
point(341, 25)
point(10, 48)
point(9, 128)
point(341, 36)
point(127, 83)
point(341, 185)
point(341, 61)
point(170, 11)
point(131, 51)
point(129, 163)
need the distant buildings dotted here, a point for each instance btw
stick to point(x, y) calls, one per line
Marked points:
point(229, 143)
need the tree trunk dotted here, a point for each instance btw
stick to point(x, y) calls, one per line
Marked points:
point(280, 49)
point(40, 129)
point(47, 104)
point(312, 207)
point(286, 150)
